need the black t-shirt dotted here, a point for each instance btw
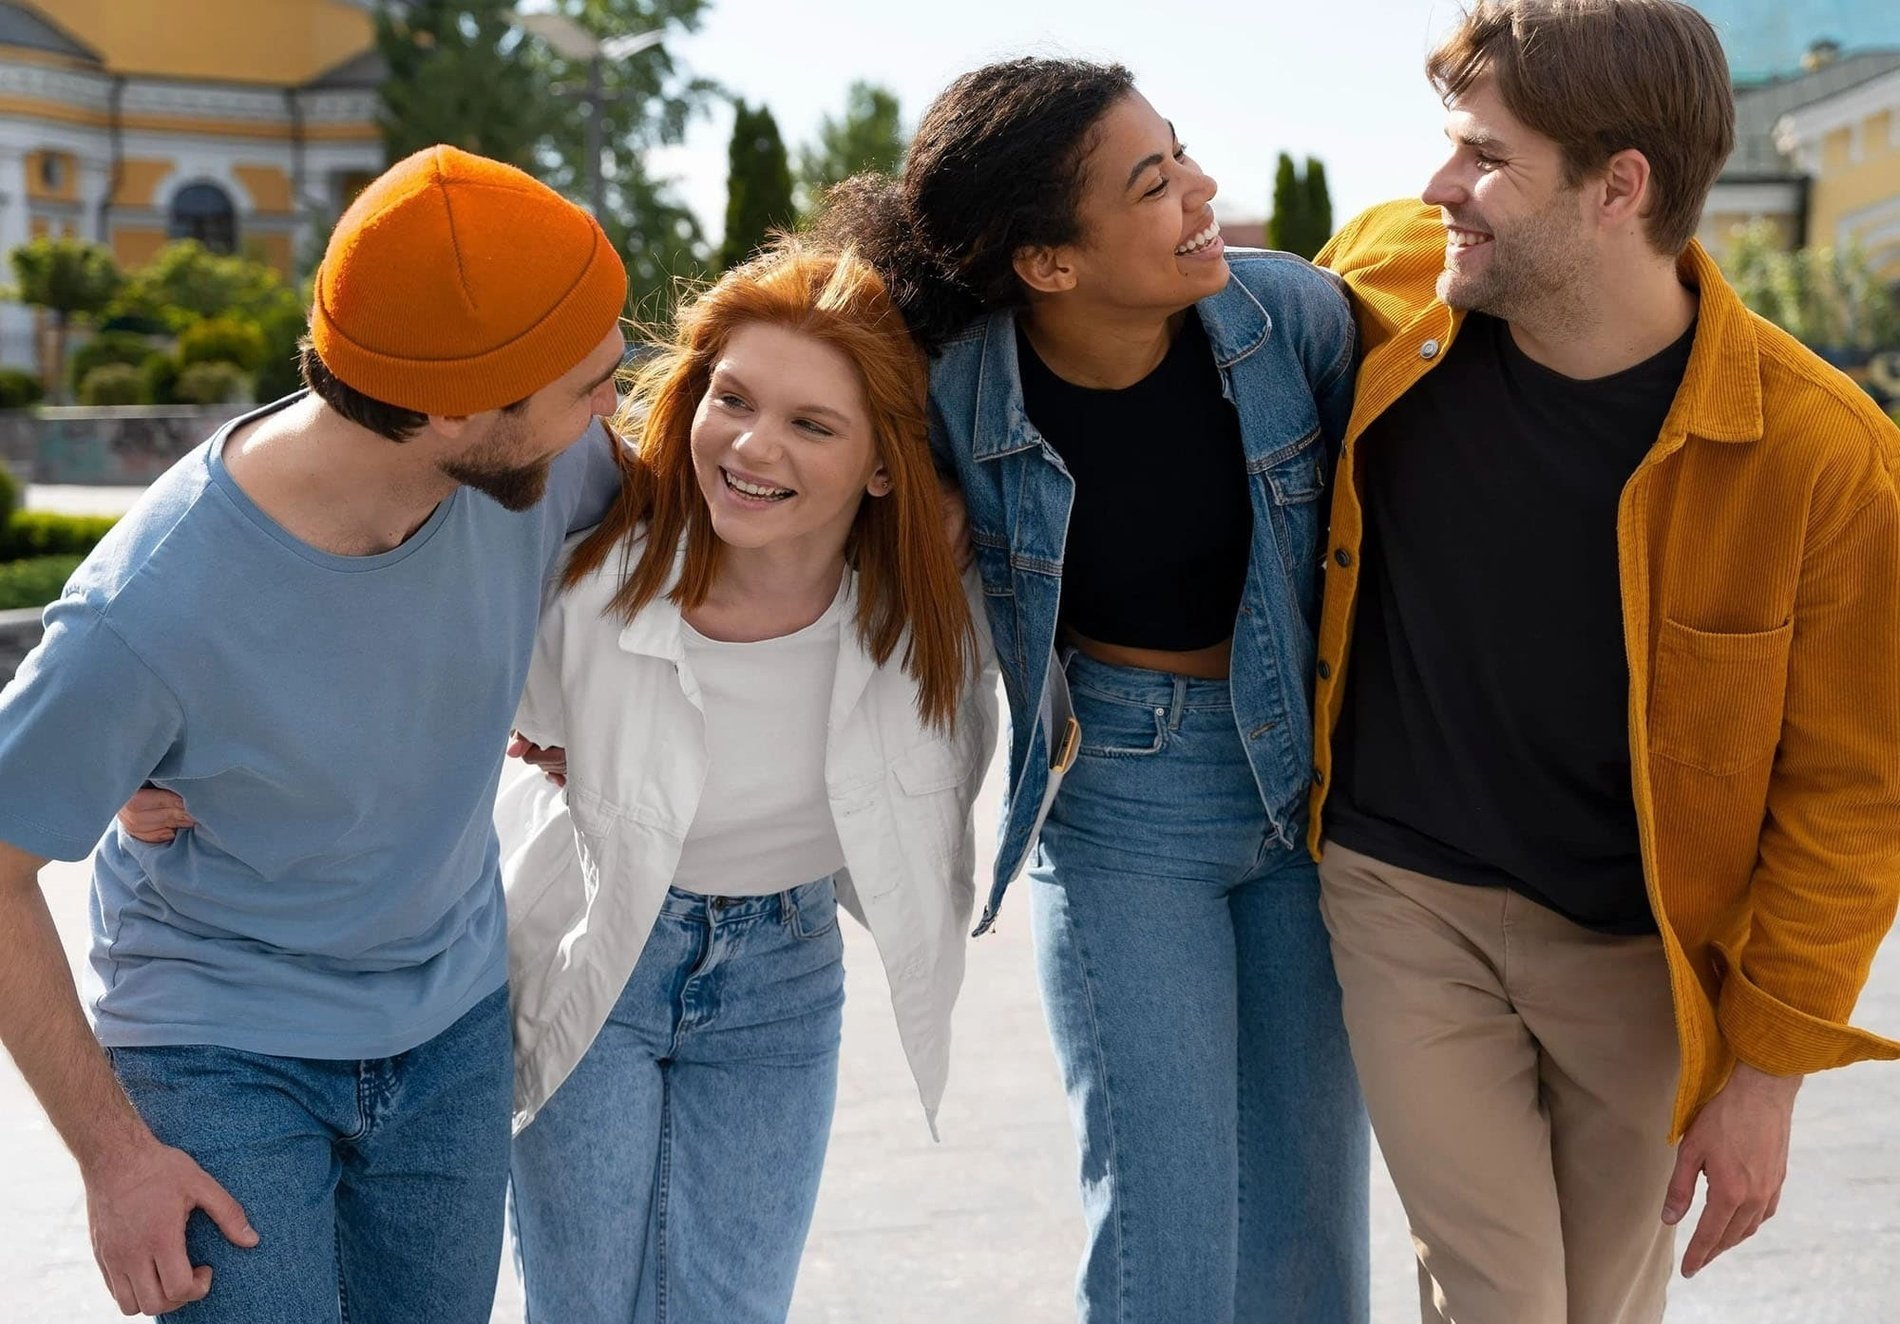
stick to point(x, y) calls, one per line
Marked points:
point(1485, 733)
point(1161, 527)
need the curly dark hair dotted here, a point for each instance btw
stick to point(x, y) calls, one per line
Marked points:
point(996, 167)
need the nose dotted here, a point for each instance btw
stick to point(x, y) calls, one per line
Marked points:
point(762, 443)
point(1200, 191)
point(1445, 188)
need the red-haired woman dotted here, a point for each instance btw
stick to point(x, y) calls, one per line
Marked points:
point(773, 698)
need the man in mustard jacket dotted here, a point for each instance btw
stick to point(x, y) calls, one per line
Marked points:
point(1608, 766)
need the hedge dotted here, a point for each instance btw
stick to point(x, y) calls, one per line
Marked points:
point(29, 534)
point(36, 581)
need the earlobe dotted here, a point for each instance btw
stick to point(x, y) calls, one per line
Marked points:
point(1044, 270)
point(448, 425)
point(880, 484)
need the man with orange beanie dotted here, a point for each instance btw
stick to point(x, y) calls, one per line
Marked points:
point(315, 631)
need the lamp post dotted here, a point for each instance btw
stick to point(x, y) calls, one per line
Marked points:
point(570, 39)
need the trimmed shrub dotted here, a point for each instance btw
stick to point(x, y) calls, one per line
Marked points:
point(222, 339)
point(19, 390)
point(36, 533)
point(106, 347)
point(214, 383)
point(35, 582)
point(113, 384)
point(160, 372)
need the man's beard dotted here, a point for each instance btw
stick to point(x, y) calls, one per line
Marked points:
point(512, 487)
point(1533, 271)
point(495, 471)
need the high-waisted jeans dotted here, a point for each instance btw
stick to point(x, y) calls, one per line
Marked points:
point(671, 1179)
point(1189, 987)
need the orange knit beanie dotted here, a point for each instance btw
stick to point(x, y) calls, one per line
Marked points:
point(455, 285)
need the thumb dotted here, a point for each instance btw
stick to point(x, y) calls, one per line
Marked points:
point(226, 1212)
point(1681, 1193)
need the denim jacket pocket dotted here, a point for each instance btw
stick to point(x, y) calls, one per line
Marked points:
point(1717, 699)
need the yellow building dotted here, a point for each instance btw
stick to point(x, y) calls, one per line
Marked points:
point(1818, 155)
point(242, 123)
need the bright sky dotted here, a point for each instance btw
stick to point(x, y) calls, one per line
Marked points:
point(1338, 79)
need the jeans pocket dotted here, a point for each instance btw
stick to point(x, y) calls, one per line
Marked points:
point(1116, 728)
point(815, 912)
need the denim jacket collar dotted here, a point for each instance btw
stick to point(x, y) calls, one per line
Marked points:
point(1235, 323)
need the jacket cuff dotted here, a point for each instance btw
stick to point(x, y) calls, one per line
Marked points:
point(1770, 1035)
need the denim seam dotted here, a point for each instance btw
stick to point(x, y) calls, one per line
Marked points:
point(663, 1185)
point(1108, 1115)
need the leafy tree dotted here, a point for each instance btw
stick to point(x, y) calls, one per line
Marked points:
point(456, 76)
point(868, 136)
point(186, 284)
point(758, 184)
point(1302, 219)
point(71, 279)
point(1828, 298)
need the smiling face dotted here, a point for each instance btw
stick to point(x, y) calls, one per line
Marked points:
point(1150, 241)
point(782, 442)
point(1518, 244)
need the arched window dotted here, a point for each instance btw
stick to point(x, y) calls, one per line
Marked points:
point(204, 212)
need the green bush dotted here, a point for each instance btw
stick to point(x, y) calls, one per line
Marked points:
point(19, 390)
point(36, 582)
point(106, 347)
point(113, 384)
point(222, 339)
point(160, 372)
point(215, 383)
point(9, 495)
point(38, 533)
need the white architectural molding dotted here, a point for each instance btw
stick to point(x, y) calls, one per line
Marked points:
point(1768, 198)
point(1800, 133)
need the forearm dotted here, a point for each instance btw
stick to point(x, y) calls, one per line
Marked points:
point(44, 1027)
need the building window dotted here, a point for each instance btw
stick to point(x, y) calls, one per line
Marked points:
point(204, 212)
point(52, 171)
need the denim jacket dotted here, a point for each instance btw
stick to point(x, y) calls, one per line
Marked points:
point(1283, 336)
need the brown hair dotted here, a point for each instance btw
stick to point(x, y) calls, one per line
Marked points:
point(385, 420)
point(907, 575)
point(1598, 77)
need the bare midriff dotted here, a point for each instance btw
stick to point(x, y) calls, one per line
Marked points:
point(1208, 663)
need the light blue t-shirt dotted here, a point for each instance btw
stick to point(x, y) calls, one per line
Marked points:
point(335, 725)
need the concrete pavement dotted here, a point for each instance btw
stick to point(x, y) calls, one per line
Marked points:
point(984, 1227)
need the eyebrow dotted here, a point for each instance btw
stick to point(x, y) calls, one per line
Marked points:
point(721, 373)
point(1150, 162)
point(1481, 139)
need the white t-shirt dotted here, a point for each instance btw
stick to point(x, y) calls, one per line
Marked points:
point(764, 823)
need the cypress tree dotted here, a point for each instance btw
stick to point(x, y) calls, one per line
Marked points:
point(758, 184)
point(1319, 205)
point(1285, 229)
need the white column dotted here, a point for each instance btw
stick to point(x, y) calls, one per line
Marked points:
point(16, 322)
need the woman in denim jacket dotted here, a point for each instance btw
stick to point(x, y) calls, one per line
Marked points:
point(1142, 425)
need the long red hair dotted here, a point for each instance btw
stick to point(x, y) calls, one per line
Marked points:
point(908, 583)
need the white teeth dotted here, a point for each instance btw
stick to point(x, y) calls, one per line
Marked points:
point(1200, 241)
point(753, 489)
point(1465, 238)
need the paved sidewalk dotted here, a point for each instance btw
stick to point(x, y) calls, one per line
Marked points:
point(984, 1229)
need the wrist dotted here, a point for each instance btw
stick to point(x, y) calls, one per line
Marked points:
point(112, 1143)
point(1756, 1081)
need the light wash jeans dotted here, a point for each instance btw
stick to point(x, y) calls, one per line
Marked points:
point(671, 1178)
point(376, 1186)
point(1189, 987)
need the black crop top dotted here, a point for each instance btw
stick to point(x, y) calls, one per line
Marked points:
point(1160, 531)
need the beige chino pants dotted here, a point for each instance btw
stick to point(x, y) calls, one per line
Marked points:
point(1520, 1071)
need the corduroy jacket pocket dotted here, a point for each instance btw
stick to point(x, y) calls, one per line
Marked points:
point(1717, 700)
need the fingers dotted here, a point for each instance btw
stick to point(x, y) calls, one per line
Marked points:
point(1681, 1193)
point(223, 1210)
point(123, 1293)
point(1711, 1230)
point(176, 1278)
point(518, 745)
point(1736, 1209)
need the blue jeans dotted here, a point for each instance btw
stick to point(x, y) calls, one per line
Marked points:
point(376, 1186)
point(671, 1178)
point(1188, 981)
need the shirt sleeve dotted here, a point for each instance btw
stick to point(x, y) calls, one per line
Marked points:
point(82, 726)
point(542, 714)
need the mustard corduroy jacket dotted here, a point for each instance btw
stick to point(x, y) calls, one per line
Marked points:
point(1759, 554)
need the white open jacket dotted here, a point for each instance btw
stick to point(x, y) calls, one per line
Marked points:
point(586, 870)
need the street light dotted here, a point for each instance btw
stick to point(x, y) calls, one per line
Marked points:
point(570, 39)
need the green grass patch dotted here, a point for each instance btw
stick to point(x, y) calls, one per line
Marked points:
point(36, 581)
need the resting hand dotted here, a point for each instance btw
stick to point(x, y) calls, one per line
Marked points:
point(138, 1205)
point(1740, 1141)
point(551, 759)
point(155, 816)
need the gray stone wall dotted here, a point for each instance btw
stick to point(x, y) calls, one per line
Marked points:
point(127, 446)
